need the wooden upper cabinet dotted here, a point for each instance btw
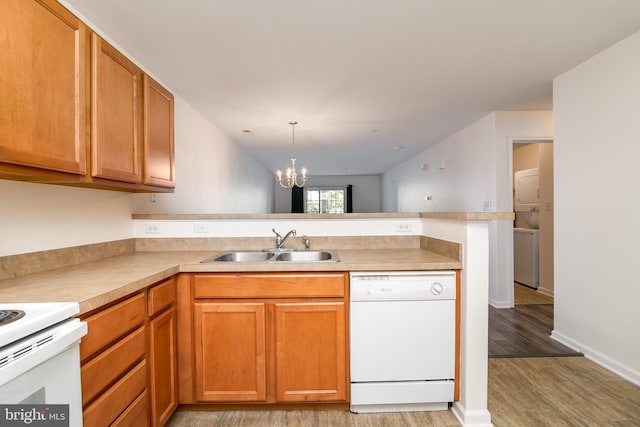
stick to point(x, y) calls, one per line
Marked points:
point(158, 166)
point(42, 86)
point(115, 114)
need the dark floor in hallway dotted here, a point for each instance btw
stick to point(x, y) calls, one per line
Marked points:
point(524, 331)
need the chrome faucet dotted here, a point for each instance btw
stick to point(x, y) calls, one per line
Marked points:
point(280, 240)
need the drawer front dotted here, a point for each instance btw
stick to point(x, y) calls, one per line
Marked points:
point(117, 398)
point(162, 296)
point(109, 325)
point(266, 285)
point(111, 364)
point(136, 414)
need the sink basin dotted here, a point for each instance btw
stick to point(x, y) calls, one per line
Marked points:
point(241, 257)
point(263, 256)
point(307, 256)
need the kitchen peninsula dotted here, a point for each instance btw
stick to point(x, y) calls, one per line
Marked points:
point(362, 242)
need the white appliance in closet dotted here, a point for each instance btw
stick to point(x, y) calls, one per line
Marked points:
point(525, 257)
point(525, 240)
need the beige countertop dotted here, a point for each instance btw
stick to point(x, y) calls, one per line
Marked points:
point(454, 216)
point(93, 284)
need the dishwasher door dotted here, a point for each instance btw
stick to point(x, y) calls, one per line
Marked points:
point(402, 326)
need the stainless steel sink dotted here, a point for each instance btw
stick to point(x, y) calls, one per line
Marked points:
point(262, 256)
point(244, 256)
point(307, 256)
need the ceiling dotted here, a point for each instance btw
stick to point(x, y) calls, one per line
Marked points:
point(370, 82)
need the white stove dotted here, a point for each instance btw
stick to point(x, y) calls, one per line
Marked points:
point(36, 317)
point(40, 359)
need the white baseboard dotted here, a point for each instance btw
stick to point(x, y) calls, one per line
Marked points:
point(601, 359)
point(471, 418)
point(500, 304)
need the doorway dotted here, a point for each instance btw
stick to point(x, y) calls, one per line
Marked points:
point(532, 162)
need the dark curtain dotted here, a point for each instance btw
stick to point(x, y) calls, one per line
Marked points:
point(349, 201)
point(297, 200)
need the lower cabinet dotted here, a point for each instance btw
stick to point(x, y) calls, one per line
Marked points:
point(129, 360)
point(113, 362)
point(230, 355)
point(310, 351)
point(270, 337)
point(163, 363)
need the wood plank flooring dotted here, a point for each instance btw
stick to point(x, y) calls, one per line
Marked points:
point(526, 295)
point(524, 331)
point(529, 392)
point(300, 418)
point(567, 391)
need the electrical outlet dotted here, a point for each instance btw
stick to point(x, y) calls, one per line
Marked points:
point(427, 198)
point(200, 228)
point(487, 205)
point(152, 228)
point(403, 227)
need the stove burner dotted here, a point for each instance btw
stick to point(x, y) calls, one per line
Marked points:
point(8, 316)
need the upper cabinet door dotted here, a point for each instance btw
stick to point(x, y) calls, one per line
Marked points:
point(158, 167)
point(115, 114)
point(42, 86)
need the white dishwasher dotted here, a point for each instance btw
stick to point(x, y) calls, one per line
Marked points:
point(402, 332)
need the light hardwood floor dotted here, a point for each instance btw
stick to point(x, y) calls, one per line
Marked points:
point(524, 331)
point(310, 418)
point(565, 391)
point(527, 392)
point(526, 295)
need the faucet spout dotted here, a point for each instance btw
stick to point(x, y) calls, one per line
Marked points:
point(280, 240)
point(286, 236)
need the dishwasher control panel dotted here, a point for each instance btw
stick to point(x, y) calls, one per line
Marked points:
point(415, 285)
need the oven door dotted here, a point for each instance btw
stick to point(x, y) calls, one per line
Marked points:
point(43, 368)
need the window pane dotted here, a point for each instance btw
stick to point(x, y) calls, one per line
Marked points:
point(325, 200)
point(313, 201)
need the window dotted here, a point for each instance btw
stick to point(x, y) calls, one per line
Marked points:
point(325, 200)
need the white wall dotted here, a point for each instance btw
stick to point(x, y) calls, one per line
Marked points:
point(476, 178)
point(546, 219)
point(37, 217)
point(213, 174)
point(597, 194)
point(464, 185)
point(366, 191)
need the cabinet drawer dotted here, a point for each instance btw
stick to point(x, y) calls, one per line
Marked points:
point(117, 398)
point(136, 414)
point(162, 296)
point(111, 324)
point(266, 285)
point(103, 370)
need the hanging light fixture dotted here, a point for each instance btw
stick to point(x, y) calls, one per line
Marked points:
point(292, 174)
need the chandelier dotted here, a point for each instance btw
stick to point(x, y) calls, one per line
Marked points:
point(291, 178)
